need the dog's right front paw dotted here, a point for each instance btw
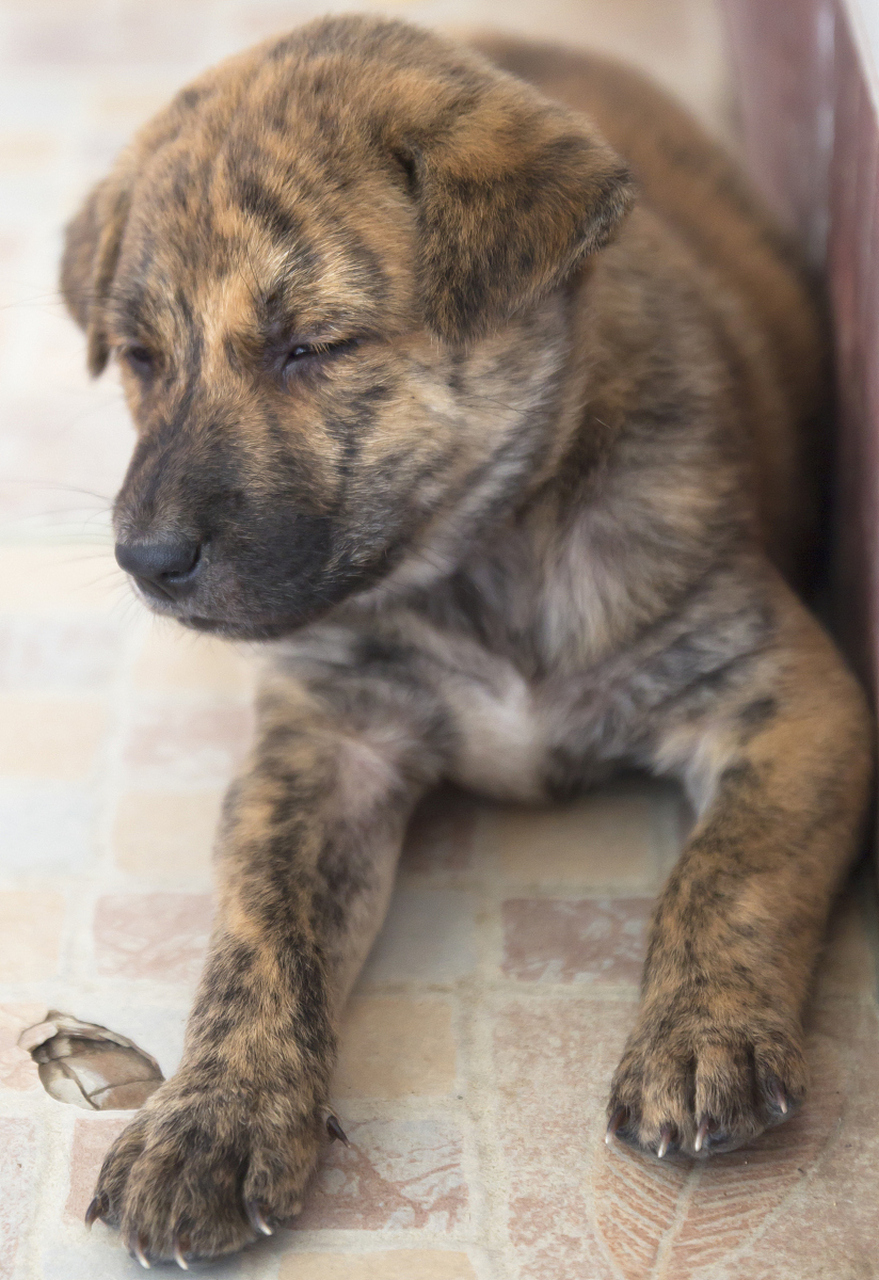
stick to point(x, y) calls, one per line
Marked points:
point(701, 1084)
point(201, 1173)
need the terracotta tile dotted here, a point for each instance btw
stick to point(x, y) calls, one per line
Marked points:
point(171, 743)
point(550, 1229)
point(682, 1218)
point(126, 105)
point(17, 1068)
point(590, 940)
point(92, 1137)
point(397, 1175)
point(45, 654)
point(162, 936)
point(57, 36)
point(394, 1048)
point(54, 578)
point(30, 928)
point(441, 832)
point(50, 737)
point(63, 404)
point(604, 839)
point(166, 834)
point(65, 458)
point(23, 149)
point(609, 1205)
point(13, 246)
point(429, 936)
point(18, 1142)
point(552, 1065)
point(828, 1227)
point(47, 826)
point(173, 658)
point(102, 1256)
point(395, 1264)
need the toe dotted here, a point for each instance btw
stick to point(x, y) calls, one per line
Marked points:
point(137, 1247)
point(113, 1178)
point(725, 1095)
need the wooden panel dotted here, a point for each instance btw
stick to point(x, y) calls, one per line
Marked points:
point(811, 139)
point(783, 55)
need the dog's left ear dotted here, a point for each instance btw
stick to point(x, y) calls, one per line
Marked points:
point(91, 251)
point(512, 194)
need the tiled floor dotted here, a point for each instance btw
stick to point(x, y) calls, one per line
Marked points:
point(481, 1039)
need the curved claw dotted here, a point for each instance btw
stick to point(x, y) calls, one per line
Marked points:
point(701, 1134)
point(618, 1118)
point(95, 1211)
point(664, 1140)
point(335, 1130)
point(178, 1256)
point(135, 1245)
point(257, 1221)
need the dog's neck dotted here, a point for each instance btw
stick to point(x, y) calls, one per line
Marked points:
point(593, 541)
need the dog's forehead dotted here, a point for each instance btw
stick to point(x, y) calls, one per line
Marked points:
point(273, 177)
point(264, 228)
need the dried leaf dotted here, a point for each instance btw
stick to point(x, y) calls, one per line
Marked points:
point(90, 1066)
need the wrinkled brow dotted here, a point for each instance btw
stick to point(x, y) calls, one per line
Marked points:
point(132, 311)
point(281, 317)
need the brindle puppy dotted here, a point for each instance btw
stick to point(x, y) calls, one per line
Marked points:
point(507, 449)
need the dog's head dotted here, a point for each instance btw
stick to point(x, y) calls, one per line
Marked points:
point(334, 274)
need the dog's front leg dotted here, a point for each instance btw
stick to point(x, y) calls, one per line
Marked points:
point(782, 767)
point(307, 858)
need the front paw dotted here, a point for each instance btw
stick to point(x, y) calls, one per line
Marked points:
point(200, 1172)
point(698, 1080)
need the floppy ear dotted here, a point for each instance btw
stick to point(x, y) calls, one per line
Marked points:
point(91, 251)
point(93, 238)
point(512, 193)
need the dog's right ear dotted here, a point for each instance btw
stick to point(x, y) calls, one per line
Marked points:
point(88, 264)
point(93, 238)
point(511, 191)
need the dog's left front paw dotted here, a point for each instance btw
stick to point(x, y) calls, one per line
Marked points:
point(200, 1173)
point(697, 1084)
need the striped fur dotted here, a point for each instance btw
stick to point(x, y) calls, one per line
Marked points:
point(501, 418)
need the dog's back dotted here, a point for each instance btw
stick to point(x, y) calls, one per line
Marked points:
point(750, 273)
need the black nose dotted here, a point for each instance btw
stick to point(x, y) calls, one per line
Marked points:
point(166, 566)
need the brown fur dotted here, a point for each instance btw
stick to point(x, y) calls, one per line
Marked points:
point(508, 450)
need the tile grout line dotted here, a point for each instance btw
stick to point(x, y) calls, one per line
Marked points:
point(480, 1094)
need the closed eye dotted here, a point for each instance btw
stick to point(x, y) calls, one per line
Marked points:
point(306, 355)
point(139, 359)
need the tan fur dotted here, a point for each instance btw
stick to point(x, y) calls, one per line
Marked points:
point(503, 417)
